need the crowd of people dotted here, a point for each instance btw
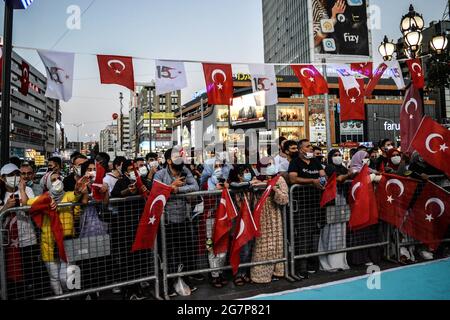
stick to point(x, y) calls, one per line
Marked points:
point(297, 163)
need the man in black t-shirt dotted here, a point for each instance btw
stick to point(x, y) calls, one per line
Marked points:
point(307, 171)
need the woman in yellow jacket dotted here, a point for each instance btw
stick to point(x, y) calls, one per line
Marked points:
point(56, 268)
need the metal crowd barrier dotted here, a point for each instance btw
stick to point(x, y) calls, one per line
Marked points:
point(96, 262)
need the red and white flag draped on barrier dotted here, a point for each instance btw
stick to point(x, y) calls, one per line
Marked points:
point(329, 194)
point(149, 223)
point(362, 202)
point(223, 222)
point(395, 72)
point(363, 68)
point(429, 219)
point(376, 78)
point(264, 79)
point(352, 102)
point(417, 74)
point(59, 68)
point(41, 207)
point(411, 116)
point(245, 231)
point(116, 70)
point(169, 76)
point(98, 182)
point(24, 78)
point(260, 205)
point(311, 80)
point(432, 141)
point(219, 83)
point(394, 195)
point(14, 271)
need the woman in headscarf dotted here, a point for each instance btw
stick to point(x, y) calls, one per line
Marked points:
point(396, 163)
point(367, 235)
point(270, 245)
point(333, 235)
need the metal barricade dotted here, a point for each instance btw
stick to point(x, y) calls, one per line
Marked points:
point(97, 261)
point(184, 231)
point(323, 232)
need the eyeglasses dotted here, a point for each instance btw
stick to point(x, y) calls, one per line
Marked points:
point(26, 173)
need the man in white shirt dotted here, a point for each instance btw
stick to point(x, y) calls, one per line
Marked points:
point(281, 161)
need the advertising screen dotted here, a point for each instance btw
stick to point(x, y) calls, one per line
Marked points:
point(248, 110)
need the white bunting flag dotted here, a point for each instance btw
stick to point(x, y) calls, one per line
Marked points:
point(264, 79)
point(347, 76)
point(395, 72)
point(170, 76)
point(59, 68)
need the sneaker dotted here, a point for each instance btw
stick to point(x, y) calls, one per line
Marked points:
point(173, 294)
point(312, 271)
point(426, 255)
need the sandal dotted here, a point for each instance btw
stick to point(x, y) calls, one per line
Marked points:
point(217, 283)
point(239, 281)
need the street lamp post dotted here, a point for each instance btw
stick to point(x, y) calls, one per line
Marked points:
point(121, 121)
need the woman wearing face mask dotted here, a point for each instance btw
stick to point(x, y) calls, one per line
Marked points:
point(57, 269)
point(270, 245)
point(366, 235)
point(396, 163)
point(333, 235)
point(89, 173)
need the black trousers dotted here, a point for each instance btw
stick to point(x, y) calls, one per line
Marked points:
point(181, 248)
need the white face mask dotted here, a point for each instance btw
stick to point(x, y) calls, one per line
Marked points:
point(12, 182)
point(132, 176)
point(153, 164)
point(366, 161)
point(77, 171)
point(337, 160)
point(92, 174)
point(247, 177)
point(218, 173)
point(57, 186)
point(309, 155)
point(143, 171)
point(396, 160)
point(271, 170)
point(389, 148)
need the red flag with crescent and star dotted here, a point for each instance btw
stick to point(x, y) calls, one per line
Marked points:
point(25, 78)
point(411, 116)
point(311, 80)
point(416, 70)
point(375, 79)
point(363, 68)
point(13, 257)
point(219, 83)
point(100, 173)
point(260, 205)
point(149, 223)
point(116, 70)
point(329, 194)
point(429, 219)
point(245, 232)
point(362, 201)
point(223, 222)
point(394, 195)
point(432, 141)
point(352, 102)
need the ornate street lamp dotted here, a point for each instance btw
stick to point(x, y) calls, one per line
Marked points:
point(413, 41)
point(439, 43)
point(410, 20)
point(386, 49)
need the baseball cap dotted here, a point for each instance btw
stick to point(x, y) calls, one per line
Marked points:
point(8, 168)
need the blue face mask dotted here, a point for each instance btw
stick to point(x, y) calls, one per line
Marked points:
point(247, 177)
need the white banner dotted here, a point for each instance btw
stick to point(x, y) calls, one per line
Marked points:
point(395, 72)
point(170, 76)
point(264, 79)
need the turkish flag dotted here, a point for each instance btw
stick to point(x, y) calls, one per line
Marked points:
point(25, 78)
point(376, 78)
point(116, 70)
point(98, 182)
point(311, 80)
point(411, 116)
point(41, 207)
point(432, 141)
point(416, 70)
point(13, 258)
point(223, 222)
point(149, 223)
point(394, 195)
point(260, 205)
point(245, 231)
point(352, 102)
point(362, 201)
point(329, 194)
point(363, 68)
point(219, 83)
point(429, 219)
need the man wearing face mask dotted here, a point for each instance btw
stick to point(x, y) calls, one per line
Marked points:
point(179, 227)
point(152, 165)
point(385, 145)
point(54, 166)
point(27, 173)
point(144, 172)
point(126, 186)
point(307, 171)
point(70, 181)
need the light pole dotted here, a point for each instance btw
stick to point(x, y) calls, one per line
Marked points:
point(77, 125)
point(121, 121)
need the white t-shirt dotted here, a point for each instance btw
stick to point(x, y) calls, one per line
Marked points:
point(110, 180)
point(281, 163)
point(25, 227)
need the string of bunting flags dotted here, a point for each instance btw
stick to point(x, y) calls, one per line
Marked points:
point(170, 75)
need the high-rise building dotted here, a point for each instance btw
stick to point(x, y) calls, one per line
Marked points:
point(35, 119)
point(124, 133)
point(286, 33)
point(108, 140)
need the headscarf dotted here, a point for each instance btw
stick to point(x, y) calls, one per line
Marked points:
point(389, 156)
point(208, 171)
point(356, 164)
point(57, 196)
point(340, 170)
